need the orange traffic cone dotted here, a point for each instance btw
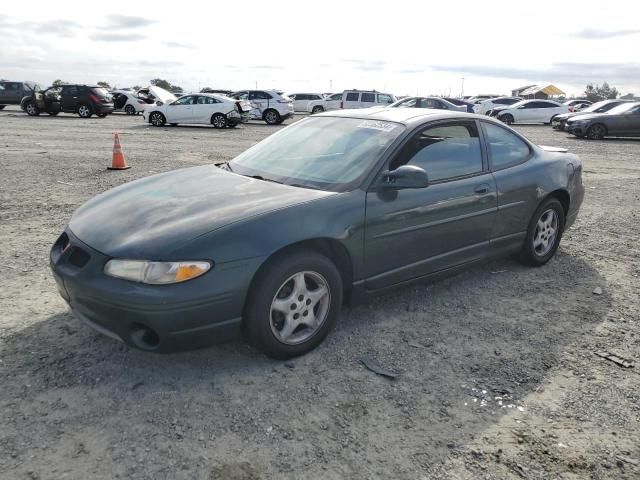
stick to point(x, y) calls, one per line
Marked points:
point(118, 162)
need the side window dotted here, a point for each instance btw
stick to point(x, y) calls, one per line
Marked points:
point(292, 97)
point(207, 101)
point(186, 100)
point(302, 96)
point(440, 105)
point(241, 95)
point(546, 105)
point(352, 97)
point(315, 97)
point(368, 97)
point(258, 95)
point(384, 98)
point(337, 96)
point(70, 90)
point(444, 151)
point(531, 105)
point(505, 148)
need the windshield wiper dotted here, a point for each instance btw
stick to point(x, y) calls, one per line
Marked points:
point(260, 177)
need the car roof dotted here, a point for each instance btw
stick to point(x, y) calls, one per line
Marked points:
point(406, 116)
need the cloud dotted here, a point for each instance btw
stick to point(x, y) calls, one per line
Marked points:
point(117, 37)
point(595, 34)
point(127, 21)
point(179, 45)
point(367, 66)
point(58, 28)
point(558, 72)
point(266, 67)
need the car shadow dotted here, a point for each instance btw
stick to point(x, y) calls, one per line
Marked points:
point(498, 329)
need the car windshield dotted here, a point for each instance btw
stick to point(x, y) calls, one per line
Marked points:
point(325, 153)
point(593, 107)
point(622, 108)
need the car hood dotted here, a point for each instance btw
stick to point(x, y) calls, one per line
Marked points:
point(587, 116)
point(151, 217)
point(161, 94)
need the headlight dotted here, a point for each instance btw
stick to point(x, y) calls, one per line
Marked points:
point(156, 273)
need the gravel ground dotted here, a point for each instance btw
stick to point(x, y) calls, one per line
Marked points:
point(497, 376)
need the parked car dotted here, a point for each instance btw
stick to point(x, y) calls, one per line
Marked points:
point(202, 108)
point(560, 121)
point(480, 98)
point(529, 111)
point(330, 102)
point(268, 105)
point(301, 100)
point(459, 102)
point(577, 105)
point(226, 93)
point(85, 100)
point(340, 204)
point(365, 99)
point(129, 102)
point(620, 121)
point(428, 102)
point(12, 93)
point(485, 106)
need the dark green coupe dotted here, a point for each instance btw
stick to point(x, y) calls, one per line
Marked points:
point(335, 207)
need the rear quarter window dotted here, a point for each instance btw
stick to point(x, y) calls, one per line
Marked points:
point(352, 97)
point(505, 148)
point(369, 97)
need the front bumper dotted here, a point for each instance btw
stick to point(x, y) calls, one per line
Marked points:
point(158, 318)
point(577, 130)
point(104, 108)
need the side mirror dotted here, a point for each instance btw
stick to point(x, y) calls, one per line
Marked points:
point(405, 176)
point(159, 103)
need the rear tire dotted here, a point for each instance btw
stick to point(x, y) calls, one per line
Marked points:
point(2, 107)
point(84, 111)
point(129, 109)
point(596, 132)
point(317, 109)
point(31, 109)
point(218, 120)
point(271, 117)
point(295, 281)
point(543, 234)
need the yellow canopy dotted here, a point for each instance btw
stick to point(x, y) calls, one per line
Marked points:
point(549, 90)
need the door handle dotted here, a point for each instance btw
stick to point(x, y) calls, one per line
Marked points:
point(481, 189)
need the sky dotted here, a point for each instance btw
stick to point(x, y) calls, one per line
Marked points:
point(400, 47)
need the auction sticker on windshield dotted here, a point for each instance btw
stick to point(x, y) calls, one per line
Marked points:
point(379, 125)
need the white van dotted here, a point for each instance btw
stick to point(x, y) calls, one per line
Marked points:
point(365, 99)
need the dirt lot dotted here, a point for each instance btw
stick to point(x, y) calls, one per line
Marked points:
point(497, 372)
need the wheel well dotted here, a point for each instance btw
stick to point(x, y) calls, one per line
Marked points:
point(606, 130)
point(563, 198)
point(330, 248)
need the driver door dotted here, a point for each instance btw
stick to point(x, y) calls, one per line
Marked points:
point(414, 232)
point(181, 111)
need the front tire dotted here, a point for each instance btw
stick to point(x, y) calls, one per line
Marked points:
point(129, 109)
point(317, 109)
point(218, 120)
point(294, 302)
point(596, 132)
point(271, 117)
point(157, 119)
point(31, 109)
point(544, 233)
point(506, 118)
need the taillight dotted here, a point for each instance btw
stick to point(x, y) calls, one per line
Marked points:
point(93, 98)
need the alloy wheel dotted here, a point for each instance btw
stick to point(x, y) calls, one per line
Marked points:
point(84, 111)
point(219, 121)
point(129, 110)
point(596, 132)
point(157, 120)
point(300, 307)
point(271, 117)
point(31, 109)
point(546, 231)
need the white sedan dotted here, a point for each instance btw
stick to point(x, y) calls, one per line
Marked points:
point(529, 111)
point(129, 102)
point(201, 108)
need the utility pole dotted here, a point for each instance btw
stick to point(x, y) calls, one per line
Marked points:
point(256, 84)
point(462, 88)
point(331, 85)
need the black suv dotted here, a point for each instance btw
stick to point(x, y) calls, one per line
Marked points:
point(11, 93)
point(85, 100)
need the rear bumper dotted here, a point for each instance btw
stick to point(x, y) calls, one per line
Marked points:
point(156, 318)
point(103, 108)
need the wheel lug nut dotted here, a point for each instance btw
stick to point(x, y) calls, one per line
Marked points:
point(293, 306)
point(305, 313)
point(308, 301)
point(300, 298)
point(296, 316)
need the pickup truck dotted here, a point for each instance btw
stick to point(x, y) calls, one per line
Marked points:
point(11, 93)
